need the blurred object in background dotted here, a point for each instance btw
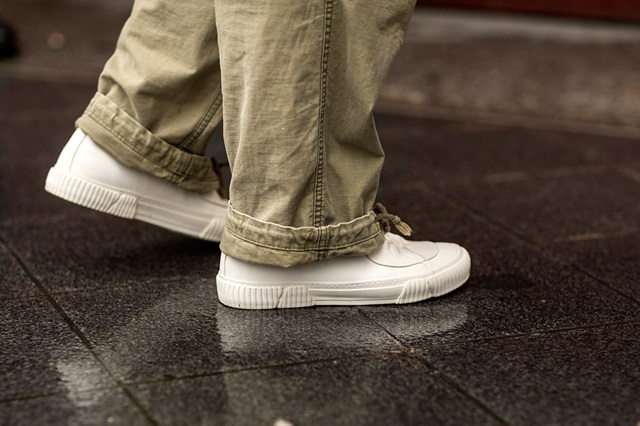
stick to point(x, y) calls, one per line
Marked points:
point(56, 40)
point(508, 66)
point(627, 10)
point(8, 44)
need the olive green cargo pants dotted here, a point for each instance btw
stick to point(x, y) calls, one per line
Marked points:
point(295, 82)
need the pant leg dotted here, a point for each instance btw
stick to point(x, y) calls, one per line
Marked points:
point(159, 97)
point(299, 82)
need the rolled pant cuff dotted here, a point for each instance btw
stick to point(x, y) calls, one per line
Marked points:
point(130, 143)
point(255, 241)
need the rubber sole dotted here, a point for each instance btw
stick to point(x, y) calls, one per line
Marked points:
point(404, 290)
point(127, 205)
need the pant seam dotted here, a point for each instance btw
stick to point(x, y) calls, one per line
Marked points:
point(202, 124)
point(131, 148)
point(318, 217)
point(320, 248)
point(323, 249)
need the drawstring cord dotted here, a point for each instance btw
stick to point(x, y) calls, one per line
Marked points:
point(386, 219)
point(382, 215)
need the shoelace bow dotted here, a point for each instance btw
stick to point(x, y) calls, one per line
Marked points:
point(386, 219)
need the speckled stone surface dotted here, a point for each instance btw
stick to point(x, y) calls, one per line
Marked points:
point(450, 151)
point(512, 291)
point(84, 249)
point(390, 390)
point(578, 377)
point(14, 282)
point(558, 206)
point(179, 329)
point(97, 407)
point(40, 355)
point(615, 261)
point(36, 121)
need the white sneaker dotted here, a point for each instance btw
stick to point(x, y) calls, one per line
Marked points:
point(86, 175)
point(400, 271)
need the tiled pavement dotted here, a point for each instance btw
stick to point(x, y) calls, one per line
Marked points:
point(106, 321)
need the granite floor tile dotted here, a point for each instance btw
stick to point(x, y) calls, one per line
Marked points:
point(444, 151)
point(87, 249)
point(34, 107)
point(41, 355)
point(510, 292)
point(150, 332)
point(581, 377)
point(23, 200)
point(558, 207)
point(36, 120)
point(615, 261)
point(97, 407)
point(14, 282)
point(389, 390)
point(432, 217)
point(178, 329)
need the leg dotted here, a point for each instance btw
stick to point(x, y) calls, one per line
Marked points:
point(299, 84)
point(158, 102)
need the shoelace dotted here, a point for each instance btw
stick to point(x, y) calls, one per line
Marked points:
point(386, 219)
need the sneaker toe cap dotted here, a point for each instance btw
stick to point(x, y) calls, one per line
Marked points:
point(448, 256)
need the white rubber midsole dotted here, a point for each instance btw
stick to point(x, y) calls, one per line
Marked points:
point(407, 290)
point(122, 203)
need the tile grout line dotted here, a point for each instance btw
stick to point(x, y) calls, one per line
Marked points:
point(412, 352)
point(444, 377)
point(593, 236)
point(593, 277)
point(88, 289)
point(478, 214)
point(458, 387)
point(539, 333)
point(78, 333)
point(268, 367)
